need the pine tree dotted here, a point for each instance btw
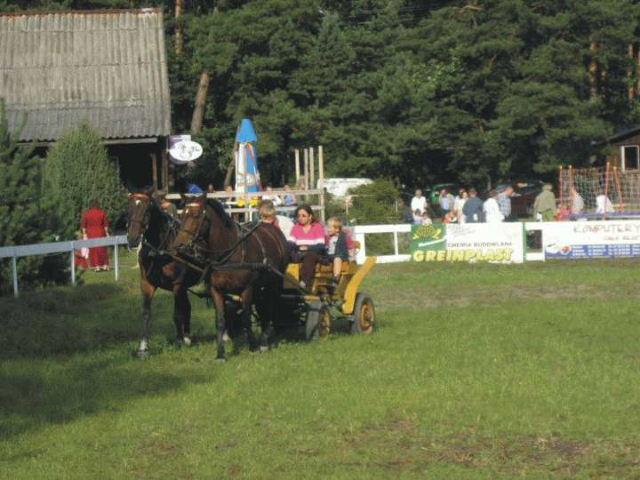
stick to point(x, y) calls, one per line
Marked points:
point(20, 213)
point(19, 192)
point(77, 171)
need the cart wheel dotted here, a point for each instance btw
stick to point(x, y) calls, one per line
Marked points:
point(364, 314)
point(318, 321)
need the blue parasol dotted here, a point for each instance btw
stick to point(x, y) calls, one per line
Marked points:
point(246, 155)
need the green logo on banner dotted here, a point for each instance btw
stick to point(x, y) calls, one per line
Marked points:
point(428, 237)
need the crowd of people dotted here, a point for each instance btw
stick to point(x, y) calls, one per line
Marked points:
point(467, 207)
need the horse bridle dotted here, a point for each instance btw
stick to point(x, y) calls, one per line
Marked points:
point(143, 219)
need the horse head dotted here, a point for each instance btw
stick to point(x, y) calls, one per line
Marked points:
point(192, 218)
point(139, 215)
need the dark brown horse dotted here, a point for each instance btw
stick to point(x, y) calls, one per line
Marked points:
point(156, 230)
point(237, 260)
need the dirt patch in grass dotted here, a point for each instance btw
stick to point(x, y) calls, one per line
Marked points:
point(400, 446)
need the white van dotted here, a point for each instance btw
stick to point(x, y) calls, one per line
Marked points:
point(338, 187)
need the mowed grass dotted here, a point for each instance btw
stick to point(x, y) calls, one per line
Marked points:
point(476, 371)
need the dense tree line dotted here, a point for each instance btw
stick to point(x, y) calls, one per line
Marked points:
point(408, 90)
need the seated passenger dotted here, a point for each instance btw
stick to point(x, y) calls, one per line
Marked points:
point(308, 236)
point(337, 247)
point(267, 213)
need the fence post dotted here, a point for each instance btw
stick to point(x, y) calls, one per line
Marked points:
point(73, 265)
point(14, 268)
point(115, 259)
point(395, 243)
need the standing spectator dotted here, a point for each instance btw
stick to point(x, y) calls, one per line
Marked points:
point(210, 188)
point(277, 201)
point(289, 199)
point(577, 202)
point(194, 189)
point(491, 209)
point(81, 255)
point(308, 236)
point(504, 202)
point(418, 202)
point(544, 206)
point(603, 204)
point(95, 224)
point(472, 208)
point(445, 201)
point(564, 213)
point(458, 205)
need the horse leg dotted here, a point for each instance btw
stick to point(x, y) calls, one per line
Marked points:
point(246, 298)
point(182, 316)
point(218, 302)
point(147, 295)
point(267, 318)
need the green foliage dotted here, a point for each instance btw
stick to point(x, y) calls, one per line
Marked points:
point(77, 171)
point(417, 92)
point(374, 204)
point(21, 215)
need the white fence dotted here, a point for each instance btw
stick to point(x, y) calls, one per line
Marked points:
point(14, 252)
point(561, 240)
point(591, 239)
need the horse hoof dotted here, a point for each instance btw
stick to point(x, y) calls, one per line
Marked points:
point(221, 360)
point(142, 354)
point(186, 341)
point(264, 348)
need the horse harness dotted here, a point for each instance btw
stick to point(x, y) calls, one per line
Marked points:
point(191, 253)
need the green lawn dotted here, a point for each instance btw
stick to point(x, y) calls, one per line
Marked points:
point(476, 371)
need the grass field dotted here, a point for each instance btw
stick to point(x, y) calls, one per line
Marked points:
point(476, 371)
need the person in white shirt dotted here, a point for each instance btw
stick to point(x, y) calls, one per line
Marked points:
point(277, 201)
point(458, 205)
point(603, 204)
point(419, 202)
point(492, 213)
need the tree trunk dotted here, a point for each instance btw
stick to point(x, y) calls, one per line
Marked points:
point(632, 72)
point(201, 99)
point(179, 30)
point(228, 177)
point(593, 70)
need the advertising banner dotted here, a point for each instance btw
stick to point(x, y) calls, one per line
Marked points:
point(471, 242)
point(606, 239)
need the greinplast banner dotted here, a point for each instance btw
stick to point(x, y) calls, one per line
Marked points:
point(470, 242)
point(604, 239)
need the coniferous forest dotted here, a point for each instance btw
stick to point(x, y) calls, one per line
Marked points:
point(413, 91)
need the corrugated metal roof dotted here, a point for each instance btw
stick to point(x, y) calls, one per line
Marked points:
point(107, 67)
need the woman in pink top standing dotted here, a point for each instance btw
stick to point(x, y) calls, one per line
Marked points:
point(308, 235)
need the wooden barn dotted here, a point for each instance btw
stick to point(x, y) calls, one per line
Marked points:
point(108, 68)
point(625, 153)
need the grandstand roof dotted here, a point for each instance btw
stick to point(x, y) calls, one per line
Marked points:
point(105, 67)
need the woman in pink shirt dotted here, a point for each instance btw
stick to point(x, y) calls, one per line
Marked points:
point(308, 235)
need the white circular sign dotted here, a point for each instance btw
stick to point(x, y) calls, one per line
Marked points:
point(185, 151)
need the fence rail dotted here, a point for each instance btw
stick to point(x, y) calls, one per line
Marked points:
point(360, 233)
point(17, 251)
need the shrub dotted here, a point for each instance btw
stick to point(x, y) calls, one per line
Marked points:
point(78, 169)
point(374, 203)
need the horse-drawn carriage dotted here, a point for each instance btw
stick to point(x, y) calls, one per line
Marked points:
point(321, 308)
point(246, 271)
